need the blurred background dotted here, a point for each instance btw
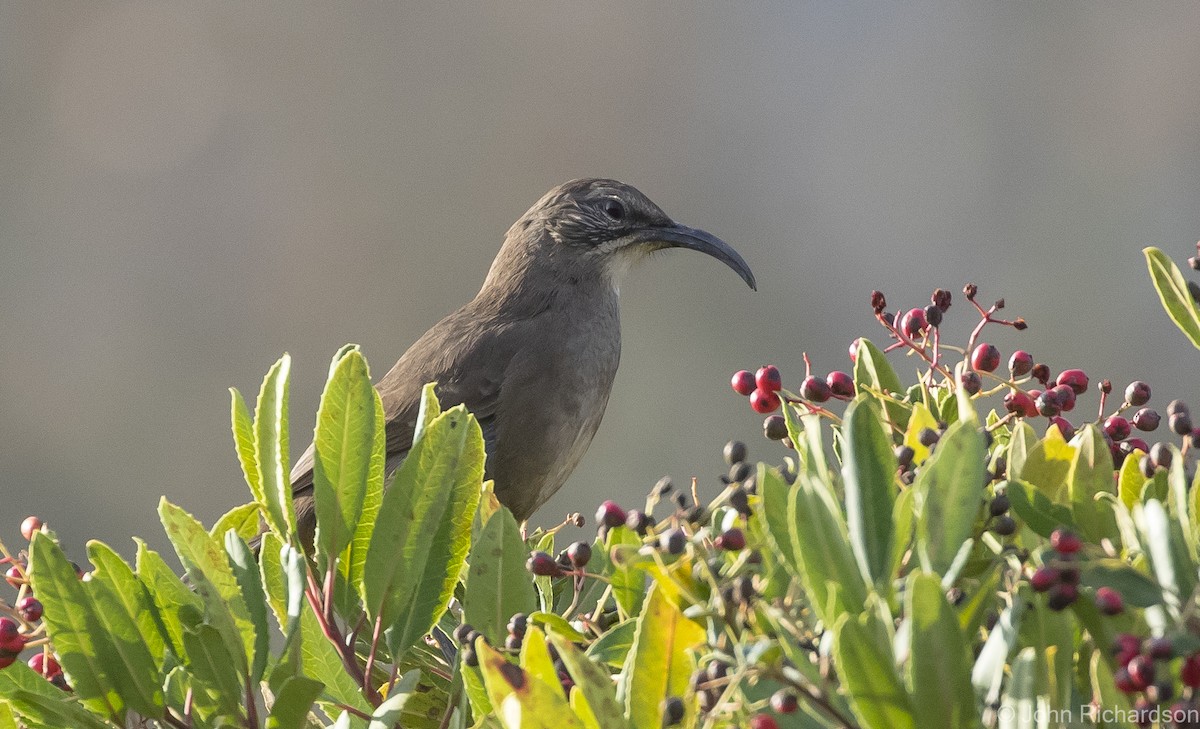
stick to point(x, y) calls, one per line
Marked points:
point(186, 192)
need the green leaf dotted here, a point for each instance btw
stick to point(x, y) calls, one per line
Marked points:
point(1091, 473)
point(210, 664)
point(1047, 464)
point(658, 665)
point(271, 448)
point(519, 701)
point(56, 713)
point(1173, 293)
point(1104, 689)
point(535, 658)
point(949, 498)
point(293, 702)
point(938, 668)
point(246, 572)
point(85, 647)
point(424, 527)
point(242, 519)
point(243, 441)
point(612, 648)
point(1033, 508)
point(1130, 480)
point(321, 661)
point(354, 559)
point(594, 682)
point(1019, 443)
point(872, 371)
point(1136, 588)
point(389, 712)
point(498, 585)
point(174, 603)
point(213, 579)
point(866, 664)
point(110, 569)
point(342, 449)
point(628, 581)
point(821, 545)
point(869, 475)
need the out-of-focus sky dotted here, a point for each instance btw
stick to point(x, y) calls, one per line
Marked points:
point(189, 190)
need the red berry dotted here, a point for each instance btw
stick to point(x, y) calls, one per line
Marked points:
point(764, 401)
point(44, 665)
point(1044, 578)
point(913, 323)
point(768, 378)
point(985, 358)
point(1145, 419)
point(10, 640)
point(840, 384)
point(1020, 403)
point(1136, 444)
point(1064, 396)
point(1061, 596)
point(30, 609)
point(1125, 647)
point(1137, 394)
point(1109, 601)
point(14, 576)
point(784, 702)
point(1116, 427)
point(854, 350)
point(1077, 380)
point(814, 388)
point(610, 515)
point(1020, 363)
point(763, 721)
point(1065, 542)
point(1064, 427)
point(1141, 671)
point(743, 382)
point(1123, 681)
point(731, 540)
point(1189, 672)
point(31, 525)
point(543, 565)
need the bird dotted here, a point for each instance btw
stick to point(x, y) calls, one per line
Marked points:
point(534, 354)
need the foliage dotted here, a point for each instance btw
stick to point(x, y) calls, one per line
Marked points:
point(923, 559)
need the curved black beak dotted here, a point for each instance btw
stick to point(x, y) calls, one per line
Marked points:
point(681, 236)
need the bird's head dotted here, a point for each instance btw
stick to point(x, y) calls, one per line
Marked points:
point(607, 225)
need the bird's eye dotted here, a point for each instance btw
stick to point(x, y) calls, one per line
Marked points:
point(614, 209)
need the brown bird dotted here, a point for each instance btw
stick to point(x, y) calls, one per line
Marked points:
point(534, 354)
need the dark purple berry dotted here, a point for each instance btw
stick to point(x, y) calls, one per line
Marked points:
point(1137, 394)
point(1064, 427)
point(1141, 671)
point(543, 565)
point(784, 701)
point(579, 553)
point(1005, 526)
point(1041, 373)
point(1047, 404)
point(999, 505)
point(1146, 420)
point(814, 388)
point(840, 384)
point(1160, 454)
point(1020, 363)
point(735, 452)
point(672, 710)
point(1064, 396)
point(1181, 423)
point(941, 299)
point(731, 540)
point(610, 515)
point(775, 427)
point(639, 521)
point(1061, 596)
point(1116, 427)
point(971, 382)
point(933, 316)
point(30, 609)
point(673, 541)
point(913, 323)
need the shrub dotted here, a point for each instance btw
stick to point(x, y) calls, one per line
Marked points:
point(923, 557)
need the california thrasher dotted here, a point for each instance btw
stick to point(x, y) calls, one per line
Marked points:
point(534, 354)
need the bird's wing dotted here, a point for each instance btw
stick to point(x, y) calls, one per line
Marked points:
point(467, 358)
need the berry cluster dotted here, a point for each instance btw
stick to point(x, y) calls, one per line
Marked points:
point(1059, 575)
point(1145, 669)
point(21, 627)
point(766, 393)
